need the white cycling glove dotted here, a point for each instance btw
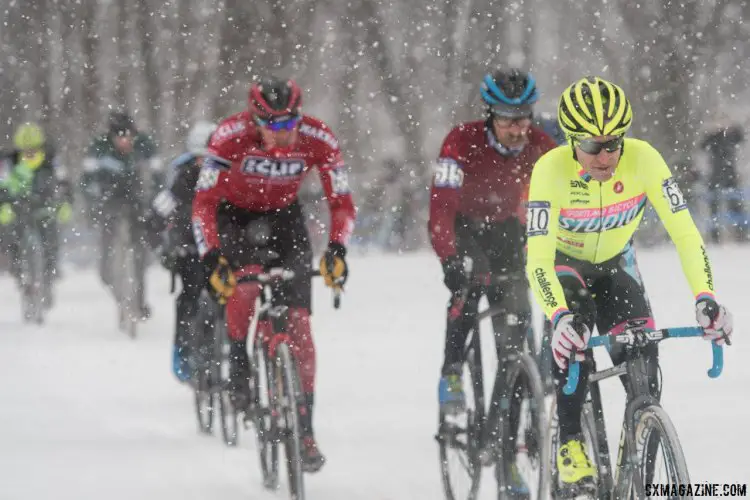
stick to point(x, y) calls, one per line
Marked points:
point(565, 340)
point(718, 328)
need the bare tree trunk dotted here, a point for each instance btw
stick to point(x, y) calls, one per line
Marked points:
point(11, 70)
point(147, 48)
point(106, 23)
point(91, 80)
point(204, 82)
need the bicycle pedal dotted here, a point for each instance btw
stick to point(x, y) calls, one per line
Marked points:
point(586, 491)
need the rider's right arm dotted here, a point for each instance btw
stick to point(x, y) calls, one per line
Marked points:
point(548, 185)
point(178, 189)
point(445, 196)
point(209, 191)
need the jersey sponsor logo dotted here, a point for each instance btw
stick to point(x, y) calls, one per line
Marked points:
point(275, 169)
point(576, 184)
point(674, 195)
point(207, 179)
point(578, 201)
point(340, 180)
point(707, 269)
point(448, 173)
point(537, 218)
point(618, 187)
point(545, 286)
point(228, 130)
point(591, 220)
point(320, 134)
point(569, 242)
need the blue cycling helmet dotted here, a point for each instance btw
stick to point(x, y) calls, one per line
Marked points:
point(510, 93)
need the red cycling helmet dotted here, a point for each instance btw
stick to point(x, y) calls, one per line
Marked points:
point(273, 98)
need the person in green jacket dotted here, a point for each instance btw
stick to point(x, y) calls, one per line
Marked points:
point(121, 174)
point(32, 180)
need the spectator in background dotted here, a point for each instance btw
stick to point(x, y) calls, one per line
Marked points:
point(687, 177)
point(721, 144)
point(392, 226)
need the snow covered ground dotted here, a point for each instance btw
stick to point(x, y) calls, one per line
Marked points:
point(86, 413)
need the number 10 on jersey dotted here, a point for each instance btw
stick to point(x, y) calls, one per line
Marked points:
point(537, 218)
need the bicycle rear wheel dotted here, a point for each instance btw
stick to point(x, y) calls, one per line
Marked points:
point(266, 424)
point(524, 469)
point(660, 456)
point(289, 397)
point(459, 435)
point(591, 439)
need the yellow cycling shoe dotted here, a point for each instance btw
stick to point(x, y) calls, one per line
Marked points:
point(574, 467)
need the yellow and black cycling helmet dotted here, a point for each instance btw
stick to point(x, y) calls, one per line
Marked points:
point(29, 137)
point(594, 107)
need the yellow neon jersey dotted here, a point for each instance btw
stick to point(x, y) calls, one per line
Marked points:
point(594, 221)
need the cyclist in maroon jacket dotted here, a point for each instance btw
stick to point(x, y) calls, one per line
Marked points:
point(477, 211)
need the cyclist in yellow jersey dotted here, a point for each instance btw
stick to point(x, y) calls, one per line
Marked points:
point(586, 200)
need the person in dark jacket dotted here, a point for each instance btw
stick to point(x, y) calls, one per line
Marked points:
point(170, 226)
point(723, 181)
point(121, 172)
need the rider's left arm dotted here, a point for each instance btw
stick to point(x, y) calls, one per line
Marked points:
point(670, 204)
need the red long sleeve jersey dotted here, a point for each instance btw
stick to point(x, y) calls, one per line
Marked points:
point(474, 179)
point(239, 172)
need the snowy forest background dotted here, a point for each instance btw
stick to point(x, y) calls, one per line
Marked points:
point(390, 76)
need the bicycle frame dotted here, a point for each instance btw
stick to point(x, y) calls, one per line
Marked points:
point(627, 471)
point(473, 345)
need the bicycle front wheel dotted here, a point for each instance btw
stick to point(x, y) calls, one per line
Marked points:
point(123, 278)
point(288, 402)
point(459, 435)
point(220, 376)
point(32, 279)
point(660, 456)
point(201, 348)
point(264, 419)
point(524, 469)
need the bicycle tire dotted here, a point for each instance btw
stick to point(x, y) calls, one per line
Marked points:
point(523, 380)
point(289, 404)
point(652, 427)
point(131, 288)
point(32, 279)
point(264, 420)
point(465, 439)
point(201, 348)
point(590, 438)
point(221, 369)
point(122, 275)
point(204, 402)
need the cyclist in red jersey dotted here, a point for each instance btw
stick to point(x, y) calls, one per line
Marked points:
point(477, 211)
point(248, 185)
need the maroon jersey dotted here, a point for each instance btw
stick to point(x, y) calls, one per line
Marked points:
point(239, 172)
point(474, 179)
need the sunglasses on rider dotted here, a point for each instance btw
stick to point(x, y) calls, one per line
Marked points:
point(507, 122)
point(284, 123)
point(592, 147)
